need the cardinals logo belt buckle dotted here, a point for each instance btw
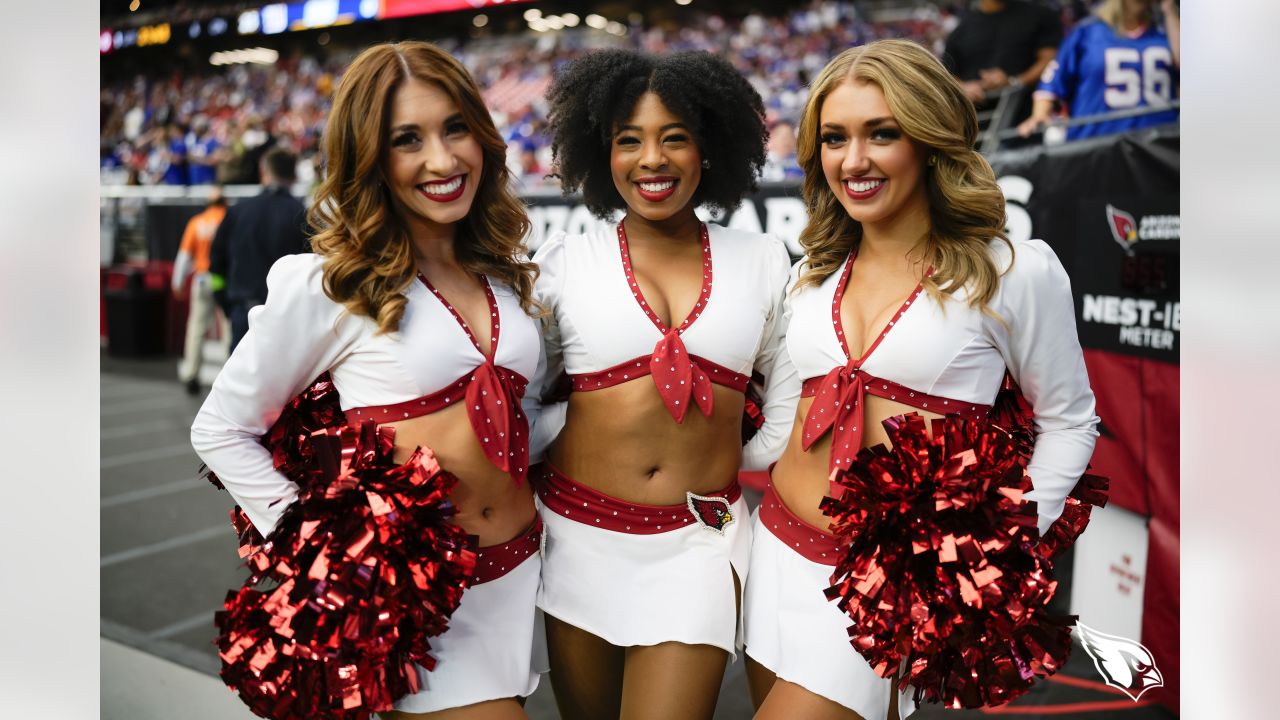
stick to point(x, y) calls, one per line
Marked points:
point(713, 513)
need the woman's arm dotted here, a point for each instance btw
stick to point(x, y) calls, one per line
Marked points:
point(295, 337)
point(782, 385)
point(1042, 352)
point(547, 291)
point(1041, 112)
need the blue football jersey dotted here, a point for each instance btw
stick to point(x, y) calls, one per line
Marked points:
point(1098, 71)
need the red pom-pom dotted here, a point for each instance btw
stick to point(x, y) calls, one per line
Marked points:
point(316, 408)
point(942, 576)
point(1012, 413)
point(360, 571)
point(1090, 492)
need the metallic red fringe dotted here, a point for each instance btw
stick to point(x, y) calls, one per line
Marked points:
point(1011, 412)
point(942, 576)
point(360, 571)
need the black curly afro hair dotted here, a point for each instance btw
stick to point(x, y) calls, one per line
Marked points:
point(600, 90)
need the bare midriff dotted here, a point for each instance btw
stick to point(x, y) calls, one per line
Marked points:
point(801, 478)
point(623, 442)
point(490, 505)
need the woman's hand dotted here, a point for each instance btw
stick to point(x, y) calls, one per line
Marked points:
point(1032, 125)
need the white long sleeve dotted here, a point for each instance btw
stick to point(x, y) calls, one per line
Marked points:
point(296, 336)
point(1042, 352)
point(781, 389)
point(551, 416)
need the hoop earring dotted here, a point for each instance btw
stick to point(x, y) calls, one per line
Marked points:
point(933, 160)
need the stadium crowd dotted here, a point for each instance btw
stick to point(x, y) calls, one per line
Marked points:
point(213, 127)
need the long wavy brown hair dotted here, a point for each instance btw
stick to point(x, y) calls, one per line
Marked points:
point(369, 259)
point(966, 207)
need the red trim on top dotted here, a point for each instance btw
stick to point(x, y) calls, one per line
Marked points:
point(838, 322)
point(838, 395)
point(575, 501)
point(434, 402)
point(812, 543)
point(681, 379)
point(492, 396)
point(890, 390)
point(703, 297)
point(495, 325)
point(640, 367)
point(495, 561)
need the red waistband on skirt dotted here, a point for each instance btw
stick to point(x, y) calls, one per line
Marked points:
point(575, 501)
point(813, 544)
point(494, 561)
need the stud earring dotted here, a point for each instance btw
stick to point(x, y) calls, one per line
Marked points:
point(706, 164)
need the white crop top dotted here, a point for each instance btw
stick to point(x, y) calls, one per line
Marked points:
point(300, 333)
point(598, 322)
point(955, 361)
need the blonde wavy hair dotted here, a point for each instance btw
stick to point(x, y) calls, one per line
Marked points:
point(966, 207)
point(1111, 12)
point(369, 259)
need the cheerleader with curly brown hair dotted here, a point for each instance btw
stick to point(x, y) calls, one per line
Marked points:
point(660, 321)
point(418, 303)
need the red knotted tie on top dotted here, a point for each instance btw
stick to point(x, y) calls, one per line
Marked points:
point(677, 374)
point(492, 394)
point(493, 407)
point(679, 379)
point(837, 406)
point(840, 394)
point(493, 397)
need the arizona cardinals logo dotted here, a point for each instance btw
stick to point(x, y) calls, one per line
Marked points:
point(712, 512)
point(1122, 663)
point(1123, 228)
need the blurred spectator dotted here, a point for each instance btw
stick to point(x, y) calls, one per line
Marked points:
point(1118, 60)
point(203, 153)
point(780, 154)
point(173, 151)
point(530, 167)
point(255, 142)
point(255, 233)
point(1002, 43)
point(1171, 15)
point(231, 156)
point(193, 262)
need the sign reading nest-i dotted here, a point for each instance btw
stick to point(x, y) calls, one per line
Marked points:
point(1109, 209)
point(1129, 302)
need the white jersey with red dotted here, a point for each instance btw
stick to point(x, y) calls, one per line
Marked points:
point(603, 333)
point(430, 362)
point(952, 358)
